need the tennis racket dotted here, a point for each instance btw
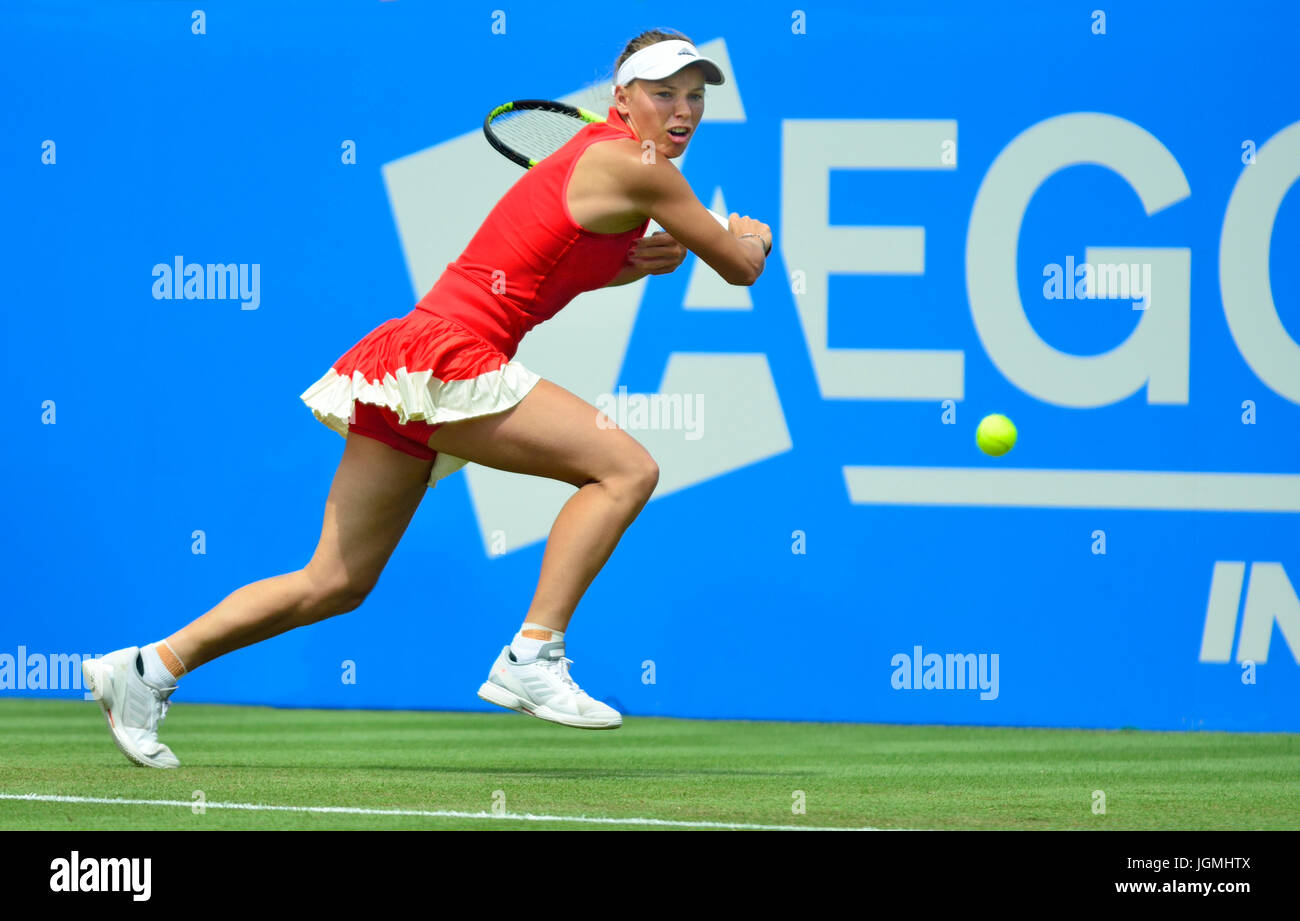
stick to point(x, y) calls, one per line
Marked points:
point(528, 131)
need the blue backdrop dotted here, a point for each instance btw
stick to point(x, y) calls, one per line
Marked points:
point(827, 543)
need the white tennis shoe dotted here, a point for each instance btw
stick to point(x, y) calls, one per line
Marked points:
point(133, 708)
point(543, 688)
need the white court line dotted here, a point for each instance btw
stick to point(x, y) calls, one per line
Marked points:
point(1033, 488)
point(439, 813)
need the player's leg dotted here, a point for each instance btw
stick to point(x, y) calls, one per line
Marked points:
point(375, 493)
point(553, 433)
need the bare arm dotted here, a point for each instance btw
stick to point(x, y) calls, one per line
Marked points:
point(659, 190)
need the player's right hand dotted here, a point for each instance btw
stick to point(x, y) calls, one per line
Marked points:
point(746, 224)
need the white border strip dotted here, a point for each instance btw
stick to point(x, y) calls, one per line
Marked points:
point(440, 813)
point(1120, 489)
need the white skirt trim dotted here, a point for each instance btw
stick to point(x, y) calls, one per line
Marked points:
point(420, 397)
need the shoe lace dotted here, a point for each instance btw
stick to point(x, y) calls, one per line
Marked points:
point(162, 696)
point(560, 667)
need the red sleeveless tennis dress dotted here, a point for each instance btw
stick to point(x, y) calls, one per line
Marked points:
point(452, 357)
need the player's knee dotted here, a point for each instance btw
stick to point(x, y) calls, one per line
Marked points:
point(337, 593)
point(637, 478)
point(648, 475)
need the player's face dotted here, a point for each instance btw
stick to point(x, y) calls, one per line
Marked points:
point(666, 111)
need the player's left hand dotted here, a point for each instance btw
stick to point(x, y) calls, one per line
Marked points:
point(657, 254)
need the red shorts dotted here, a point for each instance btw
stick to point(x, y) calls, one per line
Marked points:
point(380, 423)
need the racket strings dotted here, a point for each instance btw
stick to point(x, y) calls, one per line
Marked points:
point(535, 133)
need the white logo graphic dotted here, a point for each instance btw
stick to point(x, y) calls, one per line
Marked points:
point(1270, 599)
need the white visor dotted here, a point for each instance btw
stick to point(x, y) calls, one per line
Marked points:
point(663, 59)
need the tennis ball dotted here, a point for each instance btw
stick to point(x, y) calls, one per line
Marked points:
point(996, 435)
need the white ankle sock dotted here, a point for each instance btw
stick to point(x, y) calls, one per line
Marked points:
point(525, 648)
point(155, 673)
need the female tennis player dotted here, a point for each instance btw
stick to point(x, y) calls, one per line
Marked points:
point(422, 395)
